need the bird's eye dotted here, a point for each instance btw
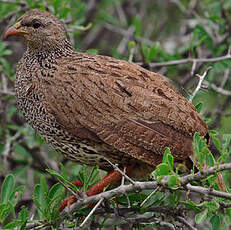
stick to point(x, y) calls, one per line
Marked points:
point(36, 24)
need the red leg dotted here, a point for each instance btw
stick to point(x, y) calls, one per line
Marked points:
point(109, 179)
point(77, 183)
point(71, 199)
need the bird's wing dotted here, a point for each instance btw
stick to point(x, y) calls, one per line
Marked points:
point(123, 104)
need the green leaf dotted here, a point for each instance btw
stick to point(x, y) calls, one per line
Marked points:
point(200, 217)
point(212, 206)
point(203, 36)
point(4, 211)
point(168, 158)
point(136, 22)
point(23, 214)
point(60, 177)
point(40, 201)
point(92, 178)
point(173, 180)
point(7, 188)
point(198, 107)
point(43, 183)
point(209, 159)
point(170, 161)
point(92, 51)
point(11, 225)
point(165, 157)
point(162, 169)
point(216, 222)
point(152, 53)
point(55, 190)
point(217, 143)
point(191, 205)
point(226, 144)
point(19, 149)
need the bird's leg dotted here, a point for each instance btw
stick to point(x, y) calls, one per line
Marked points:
point(109, 179)
point(77, 183)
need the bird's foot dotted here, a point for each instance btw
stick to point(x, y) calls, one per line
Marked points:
point(71, 199)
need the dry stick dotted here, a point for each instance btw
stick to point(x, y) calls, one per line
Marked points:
point(225, 78)
point(208, 191)
point(187, 60)
point(218, 89)
point(225, 205)
point(185, 222)
point(201, 79)
point(91, 212)
point(121, 172)
point(122, 183)
point(131, 54)
point(149, 196)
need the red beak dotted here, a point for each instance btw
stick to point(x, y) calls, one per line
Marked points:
point(14, 31)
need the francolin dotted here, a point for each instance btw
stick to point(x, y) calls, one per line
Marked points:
point(92, 108)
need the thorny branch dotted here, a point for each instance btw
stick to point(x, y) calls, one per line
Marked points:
point(138, 186)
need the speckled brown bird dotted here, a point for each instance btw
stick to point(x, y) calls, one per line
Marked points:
point(92, 107)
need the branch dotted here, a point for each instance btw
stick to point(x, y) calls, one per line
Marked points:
point(201, 79)
point(188, 60)
point(208, 191)
point(218, 89)
point(185, 222)
point(138, 186)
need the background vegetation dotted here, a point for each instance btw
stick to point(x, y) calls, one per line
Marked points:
point(178, 39)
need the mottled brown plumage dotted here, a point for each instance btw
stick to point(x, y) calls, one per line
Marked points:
point(89, 107)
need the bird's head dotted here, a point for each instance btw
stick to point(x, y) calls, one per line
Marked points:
point(39, 29)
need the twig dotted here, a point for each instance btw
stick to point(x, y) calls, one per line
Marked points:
point(122, 183)
point(187, 60)
point(7, 146)
point(149, 196)
point(121, 172)
point(185, 222)
point(208, 191)
point(225, 205)
point(218, 89)
point(91, 212)
point(131, 54)
point(225, 78)
point(78, 195)
point(201, 78)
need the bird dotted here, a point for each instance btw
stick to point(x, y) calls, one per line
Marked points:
point(99, 110)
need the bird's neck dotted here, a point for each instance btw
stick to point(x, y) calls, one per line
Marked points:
point(52, 51)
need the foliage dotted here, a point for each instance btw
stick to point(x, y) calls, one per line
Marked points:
point(150, 32)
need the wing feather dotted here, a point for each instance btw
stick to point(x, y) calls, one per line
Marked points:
point(121, 101)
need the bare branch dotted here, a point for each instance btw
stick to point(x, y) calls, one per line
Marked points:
point(188, 60)
point(218, 89)
point(91, 212)
point(149, 196)
point(201, 79)
point(208, 191)
point(120, 171)
point(185, 222)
